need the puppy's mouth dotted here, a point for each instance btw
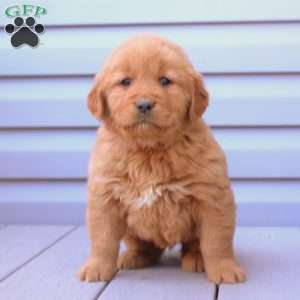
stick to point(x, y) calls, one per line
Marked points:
point(145, 124)
point(140, 122)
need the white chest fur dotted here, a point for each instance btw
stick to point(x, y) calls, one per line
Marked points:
point(154, 192)
point(148, 196)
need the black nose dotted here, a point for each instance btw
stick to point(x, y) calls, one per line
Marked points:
point(144, 106)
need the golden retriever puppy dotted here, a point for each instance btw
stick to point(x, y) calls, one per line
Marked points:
point(157, 176)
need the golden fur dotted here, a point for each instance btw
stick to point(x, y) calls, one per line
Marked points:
point(158, 180)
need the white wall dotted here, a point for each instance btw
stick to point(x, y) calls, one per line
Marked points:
point(249, 55)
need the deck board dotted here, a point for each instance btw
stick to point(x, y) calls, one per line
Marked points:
point(47, 271)
point(20, 244)
point(52, 275)
point(164, 282)
point(271, 258)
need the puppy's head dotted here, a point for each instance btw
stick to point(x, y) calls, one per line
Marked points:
point(148, 90)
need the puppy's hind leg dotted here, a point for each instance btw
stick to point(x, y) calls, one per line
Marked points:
point(191, 257)
point(139, 253)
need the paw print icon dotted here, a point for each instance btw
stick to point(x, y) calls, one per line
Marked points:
point(24, 33)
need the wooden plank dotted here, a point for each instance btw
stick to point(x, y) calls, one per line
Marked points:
point(52, 275)
point(253, 111)
point(135, 11)
point(74, 162)
point(236, 100)
point(206, 58)
point(277, 197)
point(222, 111)
point(254, 213)
point(271, 258)
point(251, 213)
point(162, 282)
point(67, 191)
point(266, 191)
point(81, 140)
point(251, 152)
point(74, 191)
point(241, 48)
point(19, 245)
point(41, 213)
point(64, 202)
point(29, 113)
point(188, 36)
point(243, 163)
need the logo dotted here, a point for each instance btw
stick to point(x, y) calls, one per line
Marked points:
point(24, 30)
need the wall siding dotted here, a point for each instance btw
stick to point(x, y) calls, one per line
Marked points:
point(250, 60)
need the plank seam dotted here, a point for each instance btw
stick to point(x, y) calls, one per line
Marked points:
point(39, 253)
point(98, 295)
point(236, 22)
point(43, 178)
point(90, 75)
point(216, 294)
point(51, 75)
point(19, 180)
point(86, 128)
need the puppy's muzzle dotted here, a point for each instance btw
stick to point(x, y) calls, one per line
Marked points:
point(144, 106)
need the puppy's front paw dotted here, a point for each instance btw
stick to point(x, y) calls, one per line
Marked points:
point(96, 270)
point(192, 262)
point(225, 271)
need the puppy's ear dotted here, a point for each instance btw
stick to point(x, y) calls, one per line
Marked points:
point(96, 101)
point(199, 101)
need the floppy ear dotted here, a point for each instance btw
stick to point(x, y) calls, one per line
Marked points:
point(199, 101)
point(96, 101)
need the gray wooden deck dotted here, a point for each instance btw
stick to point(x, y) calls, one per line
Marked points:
point(40, 262)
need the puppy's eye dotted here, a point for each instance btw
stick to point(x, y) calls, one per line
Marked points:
point(125, 82)
point(164, 81)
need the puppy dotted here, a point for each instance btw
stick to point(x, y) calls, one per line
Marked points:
point(157, 176)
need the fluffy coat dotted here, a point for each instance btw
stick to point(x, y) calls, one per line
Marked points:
point(159, 178)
